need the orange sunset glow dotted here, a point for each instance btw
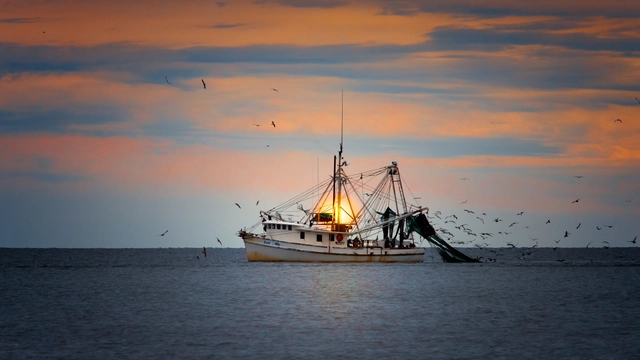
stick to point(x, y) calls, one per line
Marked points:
point(503, 108)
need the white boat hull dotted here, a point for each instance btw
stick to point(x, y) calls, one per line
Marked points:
point(264, 249)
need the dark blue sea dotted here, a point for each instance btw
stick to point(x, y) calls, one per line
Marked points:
point(167, 304)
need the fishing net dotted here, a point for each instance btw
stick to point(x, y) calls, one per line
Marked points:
point(420, 225)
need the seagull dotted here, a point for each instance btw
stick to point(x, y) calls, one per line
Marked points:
point(274, 89)
point(599, 228)
point(274, 124)
point(256, 125)
point(609, 226)
point(164, 233)
point(575, 201)
point(548, 221)
point(479, 218)
point(578, 226)
point(497, 219)
point(557, 241)
point(219, 241)
point(464, 202)
point(257, 202)
point(469, 211)
point(566, 234)
point(589, 244)
point(416, 198)
point(578, 176)
point(465, 178)
point(203, 84)
point(167, 80)
point(238, 205)
point(520, 213)
point(617, 120)
point(630, 200)
point(513, 223)
point(634, 240)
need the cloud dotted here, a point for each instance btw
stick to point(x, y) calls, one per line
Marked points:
point(21, 20)
point(226, 26)
point(503, 8)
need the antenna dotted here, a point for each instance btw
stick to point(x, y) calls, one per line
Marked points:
point(341, 122)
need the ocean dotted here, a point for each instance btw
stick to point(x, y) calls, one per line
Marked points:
point(167, 304)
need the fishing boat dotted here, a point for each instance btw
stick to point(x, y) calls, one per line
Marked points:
point(362, 217)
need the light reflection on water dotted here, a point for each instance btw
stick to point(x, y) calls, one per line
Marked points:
point(163, 303)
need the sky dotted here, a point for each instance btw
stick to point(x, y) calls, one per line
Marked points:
point(108, 136)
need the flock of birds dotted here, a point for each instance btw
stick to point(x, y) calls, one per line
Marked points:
point(482, 216)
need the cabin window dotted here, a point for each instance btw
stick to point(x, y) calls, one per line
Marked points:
point(268, 226)
point(278, 226)
point(289, 226)
point(332, 237)
point(302, 235)
point(319, 237)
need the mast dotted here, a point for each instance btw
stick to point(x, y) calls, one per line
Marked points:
point(340, 162)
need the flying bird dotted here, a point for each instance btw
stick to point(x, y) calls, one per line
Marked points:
point(599, 228)
point(203, 84)
point(617, 120)
point(479, 218)
point(575, 201)
point(630, 200)
point(548, 221)
point(578, 176)
point(634, 240)
point(274, 89)
point(164, 233)
point(465, 178)
point(566, 234)
point(167, 80)
point(464, 202)
point(257, 202)
point(274, 124)
point(520, 213)
point(238, 205)
point(256, 125)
